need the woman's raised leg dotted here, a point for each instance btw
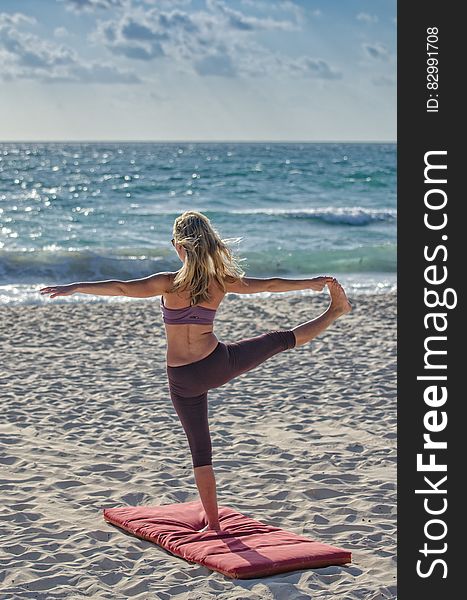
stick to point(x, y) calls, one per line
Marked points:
point(339, 306)
point(248, 354)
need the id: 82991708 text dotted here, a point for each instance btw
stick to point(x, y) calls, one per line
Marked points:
point(432, 69)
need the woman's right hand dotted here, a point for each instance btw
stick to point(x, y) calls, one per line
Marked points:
point(59, 290)
point(318, 283)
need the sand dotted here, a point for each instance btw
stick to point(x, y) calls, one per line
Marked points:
point(306, 442)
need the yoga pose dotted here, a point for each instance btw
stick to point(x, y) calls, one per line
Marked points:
point(196, 360)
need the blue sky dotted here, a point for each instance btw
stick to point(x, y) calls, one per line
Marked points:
point(198, 70)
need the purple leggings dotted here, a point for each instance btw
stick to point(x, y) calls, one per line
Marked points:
point(189, 384)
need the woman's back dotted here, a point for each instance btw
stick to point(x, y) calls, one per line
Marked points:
point(188, 341)
point(195, 291)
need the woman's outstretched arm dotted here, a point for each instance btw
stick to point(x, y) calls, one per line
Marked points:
point(253, 285)
point(154, 285)
point(110, 287)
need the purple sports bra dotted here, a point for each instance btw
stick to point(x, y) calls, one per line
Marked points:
point(198, 315)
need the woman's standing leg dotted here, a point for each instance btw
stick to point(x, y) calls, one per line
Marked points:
point(193, 414)
point(206, 484)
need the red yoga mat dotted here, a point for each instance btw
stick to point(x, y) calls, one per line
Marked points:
point(245, 548)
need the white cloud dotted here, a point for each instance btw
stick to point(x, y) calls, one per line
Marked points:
point(81, 6)
point(90, 5)
point(27, 56)
point(367, 18)
point(295, 9)
point(14, 19)
point(61, 32)
point(287, 6)
point(316, 67)
point(151, 34)
point(95, 73)
point(219, 42)
point(215, 41)
point(235, 19)
point(32, 52)
point(376, 50)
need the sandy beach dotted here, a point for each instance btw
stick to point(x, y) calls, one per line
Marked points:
point(306, 442)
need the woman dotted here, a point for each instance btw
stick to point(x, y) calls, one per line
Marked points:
point(196, 360)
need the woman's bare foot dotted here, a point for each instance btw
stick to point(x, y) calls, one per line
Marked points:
point(339, 301)
point(208, 528)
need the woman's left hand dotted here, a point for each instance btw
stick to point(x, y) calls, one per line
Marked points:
point(319, 283)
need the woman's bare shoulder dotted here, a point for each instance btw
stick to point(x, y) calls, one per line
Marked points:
point(235, 284)
point(170, 276)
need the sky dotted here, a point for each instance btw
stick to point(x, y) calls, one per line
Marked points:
point(198, 70)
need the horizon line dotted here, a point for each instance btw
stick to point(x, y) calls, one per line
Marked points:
point(199, 141)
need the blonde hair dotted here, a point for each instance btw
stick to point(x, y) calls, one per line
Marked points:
point(207, 257)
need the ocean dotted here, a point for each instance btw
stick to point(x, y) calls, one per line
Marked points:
point(87, 211)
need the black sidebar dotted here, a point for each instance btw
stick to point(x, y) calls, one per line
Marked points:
point(431, 326)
